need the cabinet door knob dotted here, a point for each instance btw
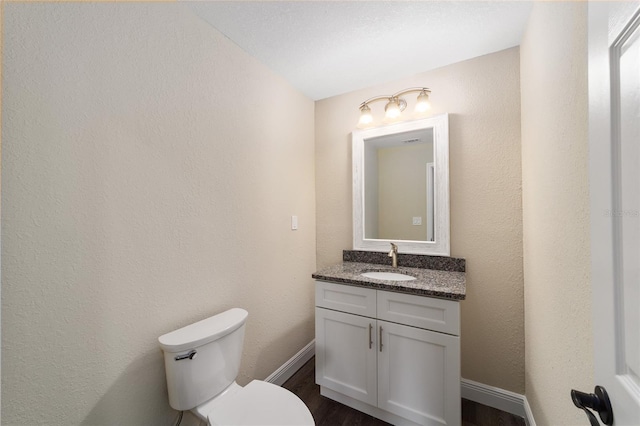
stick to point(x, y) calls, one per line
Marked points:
point(380, 338)
point(370, 336)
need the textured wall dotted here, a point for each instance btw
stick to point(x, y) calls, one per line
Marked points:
point(403, 167)
point(556, 210)
point(150, 169)
point(482, 96)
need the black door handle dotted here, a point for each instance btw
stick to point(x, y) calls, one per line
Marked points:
point(598, 402)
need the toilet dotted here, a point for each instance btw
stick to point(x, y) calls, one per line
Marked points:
point(202, 362)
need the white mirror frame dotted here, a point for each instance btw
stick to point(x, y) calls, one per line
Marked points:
point(439, 247)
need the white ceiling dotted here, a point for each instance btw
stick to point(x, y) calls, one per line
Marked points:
point(325, 48)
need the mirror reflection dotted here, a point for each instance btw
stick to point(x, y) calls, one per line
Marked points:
point(399, 186)
point(401, 178)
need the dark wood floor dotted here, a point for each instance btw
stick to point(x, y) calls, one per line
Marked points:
point(327, 412)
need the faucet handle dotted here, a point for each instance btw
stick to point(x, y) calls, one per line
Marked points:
point(393, 254)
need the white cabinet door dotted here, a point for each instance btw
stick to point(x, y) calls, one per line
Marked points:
point(419, 374)
point(346, 354)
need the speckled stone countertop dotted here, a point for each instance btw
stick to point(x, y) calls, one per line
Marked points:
point(439, 263)
point(428, 282)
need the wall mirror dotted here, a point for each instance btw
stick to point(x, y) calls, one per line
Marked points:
point(401, 187)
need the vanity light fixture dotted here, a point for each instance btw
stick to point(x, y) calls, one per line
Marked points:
point(395, 105)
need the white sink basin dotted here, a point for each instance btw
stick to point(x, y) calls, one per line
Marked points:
point(388, 276)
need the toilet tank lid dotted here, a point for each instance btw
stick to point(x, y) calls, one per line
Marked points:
point(203, 332)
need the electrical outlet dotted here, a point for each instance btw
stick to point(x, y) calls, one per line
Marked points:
point(417, 220)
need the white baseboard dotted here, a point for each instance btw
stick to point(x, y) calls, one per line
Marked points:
point(529, 414)
point(289, 368)
point(501, 399)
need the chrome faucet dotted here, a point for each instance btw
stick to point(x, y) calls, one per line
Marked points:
point(393, 254)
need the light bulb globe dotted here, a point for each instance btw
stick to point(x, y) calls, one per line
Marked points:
point(423, 104)
point(392, 109)
point(365, 116)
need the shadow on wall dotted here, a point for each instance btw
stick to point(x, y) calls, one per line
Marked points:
point(265, 358)
point(137, 397)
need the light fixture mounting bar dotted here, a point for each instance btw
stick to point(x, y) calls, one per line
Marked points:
point(374, 99)
point(395, 95)
point(411, 90)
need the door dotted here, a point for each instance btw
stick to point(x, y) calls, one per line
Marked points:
point(614, 172)
point(419, 374)
point(346, 354)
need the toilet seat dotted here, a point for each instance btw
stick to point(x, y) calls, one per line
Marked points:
point(260, 403)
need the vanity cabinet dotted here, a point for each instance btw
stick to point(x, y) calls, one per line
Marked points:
point(392, 355)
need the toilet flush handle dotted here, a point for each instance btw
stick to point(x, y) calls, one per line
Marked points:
point(189, 355)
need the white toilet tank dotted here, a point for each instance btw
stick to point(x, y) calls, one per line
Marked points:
point(203, 358)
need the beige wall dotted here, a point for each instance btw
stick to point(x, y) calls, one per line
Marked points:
point(482, 96)
point(402, 183)
point(556, 211)
point(150, 169)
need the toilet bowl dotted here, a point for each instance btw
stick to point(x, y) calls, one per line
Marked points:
point(258, 403)
point(202, 361)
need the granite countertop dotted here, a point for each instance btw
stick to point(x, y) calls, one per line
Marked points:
point(428, 282)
